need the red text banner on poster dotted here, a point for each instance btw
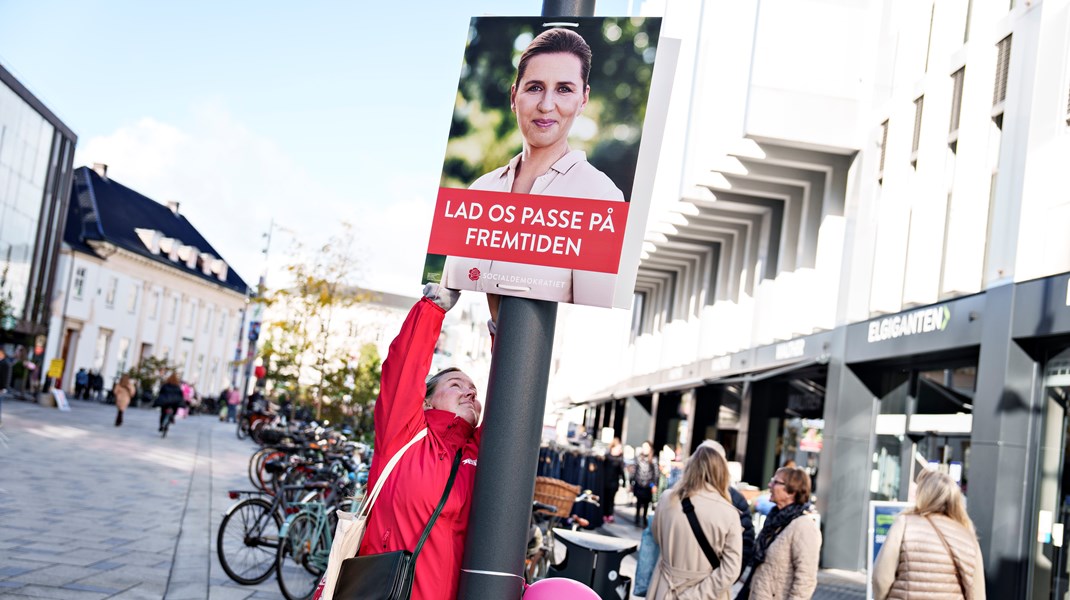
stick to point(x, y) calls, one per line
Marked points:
point(550, 231)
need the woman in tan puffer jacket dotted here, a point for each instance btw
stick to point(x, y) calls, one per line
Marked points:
point(932, 550)
point(683, 571)
point(124, 391)
point(788, 547)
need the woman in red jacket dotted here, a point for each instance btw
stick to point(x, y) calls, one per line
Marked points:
point(448, 406)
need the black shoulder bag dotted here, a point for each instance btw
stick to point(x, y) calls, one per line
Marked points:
point(707, 549)
point(387, 576)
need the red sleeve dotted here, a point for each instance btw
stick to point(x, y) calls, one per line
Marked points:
point(399, 408)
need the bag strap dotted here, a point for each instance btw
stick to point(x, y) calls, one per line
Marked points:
point(441, 504)
point(369, 500)
point(954, 561)
point(707, 549)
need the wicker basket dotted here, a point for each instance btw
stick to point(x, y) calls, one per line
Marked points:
point(556, 493)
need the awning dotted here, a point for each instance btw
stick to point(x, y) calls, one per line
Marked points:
point(773, 372)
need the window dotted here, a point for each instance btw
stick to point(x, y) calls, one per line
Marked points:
point(884, 146)
point(124, 354)
point(956, 107)
point(919, 104)
point(131, 303)
point(192, 315)
point(208, 319)
point(101, 350)
point(113, 289)
point(222, 323)
point(79, 282)
point(174, 310)
point(155, 304)
point(199, 369)
point(999, 93)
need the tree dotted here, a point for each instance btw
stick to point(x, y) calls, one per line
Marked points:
point(303, 353)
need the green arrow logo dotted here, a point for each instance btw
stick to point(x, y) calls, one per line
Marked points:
point(946, 319)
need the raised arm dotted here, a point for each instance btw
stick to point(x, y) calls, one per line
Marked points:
point(398, 409)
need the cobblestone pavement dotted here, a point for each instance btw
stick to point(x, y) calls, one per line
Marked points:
point(92, 511)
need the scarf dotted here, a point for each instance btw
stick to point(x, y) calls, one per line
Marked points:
point(776, 522)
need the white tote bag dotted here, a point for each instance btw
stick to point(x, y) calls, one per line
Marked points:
point(350, 529)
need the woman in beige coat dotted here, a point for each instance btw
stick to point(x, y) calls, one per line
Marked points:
point(932, 550)
point(123, 391)
point(683, 571)
point(788, 547)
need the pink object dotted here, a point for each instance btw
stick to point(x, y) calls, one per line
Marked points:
point(559, 588)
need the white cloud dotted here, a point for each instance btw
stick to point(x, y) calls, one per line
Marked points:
point(231, 182)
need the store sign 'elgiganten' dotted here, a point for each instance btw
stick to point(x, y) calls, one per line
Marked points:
point(925, 320)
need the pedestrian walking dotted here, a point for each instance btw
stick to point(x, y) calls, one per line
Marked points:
point(123, 390)
point(931, 551)
point(789, 545)
point(742, 506)
point(81, 384)
point(612, 473)
point(697, 529)
point(644, 482)
point(96, 383)
point(233, 400)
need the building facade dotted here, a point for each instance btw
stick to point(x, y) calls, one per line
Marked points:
point(861, 265)
point(137, 280)
point(36, 154)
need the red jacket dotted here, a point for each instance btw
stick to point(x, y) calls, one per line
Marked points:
point(414, 488)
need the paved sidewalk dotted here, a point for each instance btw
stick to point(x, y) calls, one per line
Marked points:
point(91, 511)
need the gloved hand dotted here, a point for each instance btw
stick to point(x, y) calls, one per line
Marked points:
point(492, 327)
point(441, 296)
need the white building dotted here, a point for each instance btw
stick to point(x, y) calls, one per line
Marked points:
point(135, 280)
point(858, 258)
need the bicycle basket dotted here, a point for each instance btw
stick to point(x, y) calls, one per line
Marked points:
point(557, 493)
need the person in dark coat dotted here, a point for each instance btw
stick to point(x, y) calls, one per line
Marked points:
point(169, 398)
point(612, 474)
point(743, 507)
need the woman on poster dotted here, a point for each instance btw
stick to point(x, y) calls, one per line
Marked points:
point(550, 90)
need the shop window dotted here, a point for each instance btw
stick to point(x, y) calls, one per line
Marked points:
point(925, 421)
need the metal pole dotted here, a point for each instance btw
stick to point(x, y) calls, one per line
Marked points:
point(509, 452)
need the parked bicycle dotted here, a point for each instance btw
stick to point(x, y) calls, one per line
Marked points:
point(542, 552)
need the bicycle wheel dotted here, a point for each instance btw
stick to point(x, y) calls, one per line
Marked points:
point(248, 540)
point(301, 558)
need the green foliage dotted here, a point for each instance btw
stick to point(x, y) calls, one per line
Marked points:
point(484, 133)
point(302, 360)
point(150, 373)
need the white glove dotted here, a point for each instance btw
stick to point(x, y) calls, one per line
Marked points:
point(443, 297)
point(492, 327)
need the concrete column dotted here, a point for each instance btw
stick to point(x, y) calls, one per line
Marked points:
point(845, 463)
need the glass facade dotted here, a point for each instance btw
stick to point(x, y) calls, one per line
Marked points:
point(26, 141)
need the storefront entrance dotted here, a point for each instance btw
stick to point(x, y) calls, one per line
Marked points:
point(924, 421)
point(1051, 571)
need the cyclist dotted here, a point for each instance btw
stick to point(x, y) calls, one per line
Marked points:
point(169, 399)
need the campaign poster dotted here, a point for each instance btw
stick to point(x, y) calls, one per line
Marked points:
point(550, 159)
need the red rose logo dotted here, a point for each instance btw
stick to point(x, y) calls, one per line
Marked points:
point(473, 274)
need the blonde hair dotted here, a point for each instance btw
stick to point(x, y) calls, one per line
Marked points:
point(938, 494)
point(706, 470)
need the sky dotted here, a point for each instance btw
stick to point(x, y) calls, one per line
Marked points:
point(253, 113)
